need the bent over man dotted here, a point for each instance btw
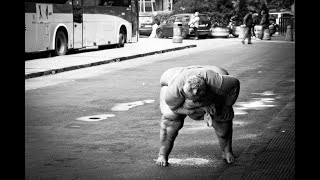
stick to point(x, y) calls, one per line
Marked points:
point(202, 93)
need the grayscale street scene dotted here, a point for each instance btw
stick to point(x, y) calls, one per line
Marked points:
point(93, 111)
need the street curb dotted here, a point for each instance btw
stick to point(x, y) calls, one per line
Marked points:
point(246, 158)
point(118, 59)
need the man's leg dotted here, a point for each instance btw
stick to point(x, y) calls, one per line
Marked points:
point(261, 33)
point(222, 123)
point(196, 33)
point(245, 34)
point(249, 36)
point(170, 125)
point(223, 130)
point(168, 132)
point(253, 33)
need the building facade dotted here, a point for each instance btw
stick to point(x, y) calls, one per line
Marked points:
point(155, 5)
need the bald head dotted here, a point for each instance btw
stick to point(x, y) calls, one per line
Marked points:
point(194, 87)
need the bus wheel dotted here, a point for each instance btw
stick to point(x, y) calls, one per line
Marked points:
point(121, 40)
point(61, 44)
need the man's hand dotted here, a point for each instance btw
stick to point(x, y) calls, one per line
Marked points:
point(199, 110)
point(211, 109)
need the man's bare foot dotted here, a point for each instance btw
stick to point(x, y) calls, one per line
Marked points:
point(162, 161)
point(228, 156)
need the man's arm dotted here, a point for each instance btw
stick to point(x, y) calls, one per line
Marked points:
point(191, 21)
point(175, 102)
point(245, 19)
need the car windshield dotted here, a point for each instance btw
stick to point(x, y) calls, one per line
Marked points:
point(185, 18)
point(203, 18)
point(145, 19)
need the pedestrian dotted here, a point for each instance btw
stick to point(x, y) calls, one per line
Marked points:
point(194, 23)
point(154, 28)
point(264, 23)
point(247, 24)
point(232, 24)
point(255, 21)
point(202, 93)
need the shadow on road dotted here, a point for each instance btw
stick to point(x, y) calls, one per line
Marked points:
point(46, 54)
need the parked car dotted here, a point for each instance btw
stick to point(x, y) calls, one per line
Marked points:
point(220, 32)
point(145, 24)
point(235, 31)
point(165, 29)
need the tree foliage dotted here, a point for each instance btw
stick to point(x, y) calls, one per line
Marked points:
point(220, 11)
point(280, 4)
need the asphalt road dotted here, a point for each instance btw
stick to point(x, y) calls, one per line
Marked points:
point(74, 130)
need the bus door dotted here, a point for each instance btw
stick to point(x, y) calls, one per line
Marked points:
point(135, 20)
point(77, 24)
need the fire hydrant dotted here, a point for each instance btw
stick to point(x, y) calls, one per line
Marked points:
point(177, 31)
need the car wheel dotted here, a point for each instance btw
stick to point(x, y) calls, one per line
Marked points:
point(160, 33)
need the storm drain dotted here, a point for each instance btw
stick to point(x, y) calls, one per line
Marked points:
point(98, 117)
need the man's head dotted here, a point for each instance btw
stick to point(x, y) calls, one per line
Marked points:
point(194, 87)
point(196, 13)
point(251, 10)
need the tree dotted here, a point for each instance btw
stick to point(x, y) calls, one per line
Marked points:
point(221, 11)
point(280, 4)
point(189, 6)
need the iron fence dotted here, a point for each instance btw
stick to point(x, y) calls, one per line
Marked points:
point(284, 22)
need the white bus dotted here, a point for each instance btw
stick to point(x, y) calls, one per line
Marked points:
point(62, 25)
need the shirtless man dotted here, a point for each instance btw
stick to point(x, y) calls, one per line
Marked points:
point(195, 91)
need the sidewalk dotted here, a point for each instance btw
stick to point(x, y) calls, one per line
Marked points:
point(273, 155)
point(144, 47)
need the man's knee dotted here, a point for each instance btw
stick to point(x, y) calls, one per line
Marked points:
point(171, 126)
point(171, 116)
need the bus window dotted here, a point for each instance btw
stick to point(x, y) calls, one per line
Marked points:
point(88, 2)
point(122, 3)
point(147, 6)
point(105, 3)
point(48, 1)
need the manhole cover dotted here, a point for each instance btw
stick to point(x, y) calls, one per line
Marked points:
point(98, 117)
